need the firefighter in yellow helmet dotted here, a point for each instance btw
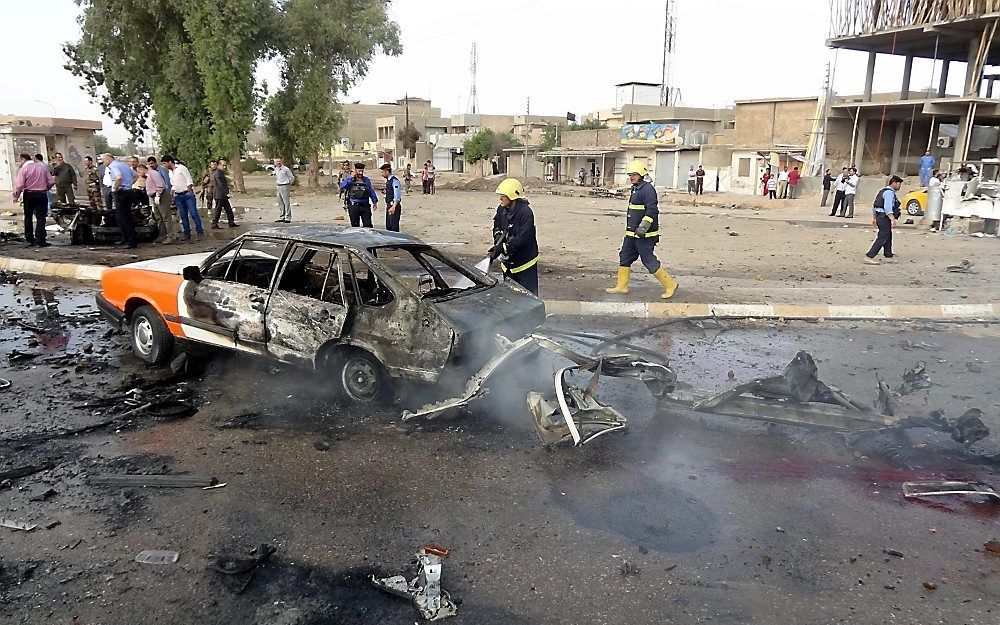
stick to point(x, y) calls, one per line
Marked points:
point(641, 233)
point(514, 241)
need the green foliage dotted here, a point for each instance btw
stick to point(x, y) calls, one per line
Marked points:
point(101, 146)
point(590, 124)
point(250, 165)
point(486, 144)
point(327, 47)
point(409, 135)
point(550, 138)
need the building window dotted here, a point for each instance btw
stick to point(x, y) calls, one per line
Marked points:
point(744, 168)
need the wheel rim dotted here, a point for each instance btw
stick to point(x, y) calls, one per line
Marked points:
point(142, 334)
point(360, 379)
point(913, 207)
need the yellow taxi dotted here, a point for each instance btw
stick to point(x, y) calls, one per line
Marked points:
point(915, 202)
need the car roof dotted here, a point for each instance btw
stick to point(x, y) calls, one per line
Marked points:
point(360, 238)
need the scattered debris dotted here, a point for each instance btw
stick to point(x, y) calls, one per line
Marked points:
point(156, 556)
point(992, 547)
point(966, 429)
point(949, 487)
point(886, 401)
point(963, 267)
point(238, 567)
point(321, 445)
point(17, 525)
point(215, 486)
point(908, 344)
point(915, 379)
point(733, 234)
point(424, 590)
point(19, 472)
point(930, 585)
point(4, 383)
point(894, 552)
point(154, 481)
point(583, 418)
point(628, 569)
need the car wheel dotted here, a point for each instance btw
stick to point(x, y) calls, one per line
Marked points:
point(152, 342)
point(361, 378)
point(913, 208)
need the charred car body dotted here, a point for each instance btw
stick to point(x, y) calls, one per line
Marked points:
point(87, 224)
point(368, 305)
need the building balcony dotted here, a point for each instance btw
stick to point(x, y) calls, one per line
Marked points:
point(857, 17)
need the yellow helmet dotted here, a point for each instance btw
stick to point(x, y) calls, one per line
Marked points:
point(637, 167)
point(512, 188)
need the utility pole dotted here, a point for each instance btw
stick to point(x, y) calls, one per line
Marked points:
point(668, 94)
point(524, 161)
point(473, 99)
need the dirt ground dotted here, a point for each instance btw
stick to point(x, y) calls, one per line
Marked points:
point(722, 248)
point(690, 518)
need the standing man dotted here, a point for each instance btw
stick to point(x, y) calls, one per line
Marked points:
point(692, 179)
point(783, 182)
point(431, 177)
point(122, 179)
point(641, 234)
point(92, 182)
point(208, 186)
point(926, 165)
point(793, 182)
point(408, 177)
point(699, 181)
point(159, 198)
point(597, 175)
point(283, 178)
point(425, 179)
point(827, 181)
point(65, 178)
point(359, 192)
point(393, 197)
point(840, 197)
point(160, 169)
point(582, 175)
point(514, 239)
point(33, 182)
point(850, 193)
point(220, 191)
point(884, 218)
point(184, 197)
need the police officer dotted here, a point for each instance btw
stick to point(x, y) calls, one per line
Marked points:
point(885, 212)
point(359, 191)
point(393, 198)
point(641, 233)
point(514, 239)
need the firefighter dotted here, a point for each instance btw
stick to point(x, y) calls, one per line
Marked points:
point(641, 233)
point(514, 239)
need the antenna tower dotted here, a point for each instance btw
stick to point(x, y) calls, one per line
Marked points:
point(668, 93)
point(473, 99)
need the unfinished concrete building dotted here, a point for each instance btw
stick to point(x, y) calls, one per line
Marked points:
point(889, 134)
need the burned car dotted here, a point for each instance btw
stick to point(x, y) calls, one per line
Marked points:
point(87, 224)
point(370, 306)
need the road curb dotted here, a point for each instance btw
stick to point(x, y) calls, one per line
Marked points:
point(73, 271)
point(639, 310)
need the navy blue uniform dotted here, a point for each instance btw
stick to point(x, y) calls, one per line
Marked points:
point(514, 232)
point(643, 206)
point(360, 197)
point(393, 193)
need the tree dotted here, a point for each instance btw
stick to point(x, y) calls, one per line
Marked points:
point(409, 135)
point(486, 144)
point(590, 124)
point(327, 47)
point(101, 146)
point(188, 63)
point(550, 138)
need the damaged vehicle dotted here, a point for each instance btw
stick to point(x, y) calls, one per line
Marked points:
point(369, 306)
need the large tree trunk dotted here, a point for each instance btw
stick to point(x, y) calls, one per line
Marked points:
point(314, 168)
point(237, 168)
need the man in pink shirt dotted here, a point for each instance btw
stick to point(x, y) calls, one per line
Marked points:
point(159, 197)
point(33, 182)
point(793, 182)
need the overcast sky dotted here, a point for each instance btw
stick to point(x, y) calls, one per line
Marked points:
point(565, 55)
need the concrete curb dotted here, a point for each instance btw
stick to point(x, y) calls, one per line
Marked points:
point(640, 310)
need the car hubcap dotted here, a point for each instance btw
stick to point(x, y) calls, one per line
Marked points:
point(360, 379)
point(143, 334)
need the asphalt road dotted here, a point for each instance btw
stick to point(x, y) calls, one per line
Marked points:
point(686, 518)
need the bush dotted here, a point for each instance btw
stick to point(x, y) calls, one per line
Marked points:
point(250, 165)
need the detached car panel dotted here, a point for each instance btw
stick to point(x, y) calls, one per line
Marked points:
point(313, 295)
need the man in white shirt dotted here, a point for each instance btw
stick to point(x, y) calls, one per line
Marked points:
point(840, 186)
point(283, 177)
point(782, 183)
point(850, 192)
point(184, 198)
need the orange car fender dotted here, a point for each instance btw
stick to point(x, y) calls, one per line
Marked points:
point(124, 288)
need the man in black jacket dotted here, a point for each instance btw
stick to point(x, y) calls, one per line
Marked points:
point(514, 236)
point(220, 191)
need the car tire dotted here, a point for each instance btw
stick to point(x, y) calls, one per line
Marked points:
point(152, 342)
point(913, 208)
point(361, 378)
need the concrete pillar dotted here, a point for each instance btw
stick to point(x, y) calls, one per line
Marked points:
point(989, 87)
point(859, 144)
point(904, 91)
point(943, 83)
point(961, 139)
point(869, 77)
point(972, 77)
point(896, 165)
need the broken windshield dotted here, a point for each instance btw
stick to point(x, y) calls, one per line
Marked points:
point(429, 273)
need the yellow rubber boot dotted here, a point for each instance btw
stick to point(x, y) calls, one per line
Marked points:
point(624, 273)
point(669, 284)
